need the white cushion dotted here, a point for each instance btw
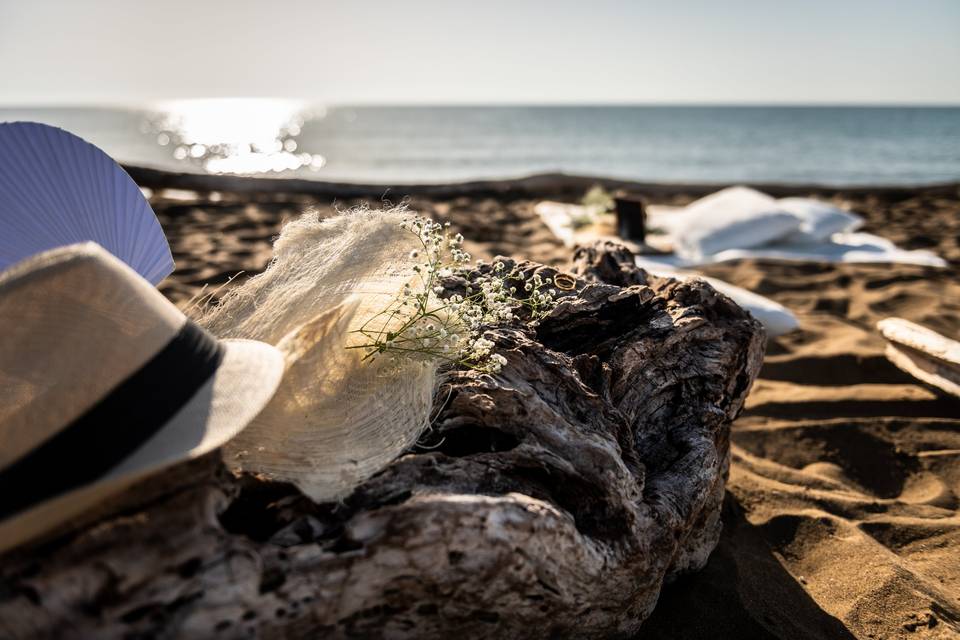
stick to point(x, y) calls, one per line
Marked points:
point(733, 218)
point(818, 220)
point(774, 317)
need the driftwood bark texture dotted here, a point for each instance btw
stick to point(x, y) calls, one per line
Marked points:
point(552, 501)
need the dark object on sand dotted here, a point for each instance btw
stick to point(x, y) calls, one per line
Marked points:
point(550, 501)
point(631, 218)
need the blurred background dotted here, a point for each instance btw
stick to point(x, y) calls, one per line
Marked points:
point(846, 92)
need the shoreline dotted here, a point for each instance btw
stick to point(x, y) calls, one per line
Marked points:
point(532, 185)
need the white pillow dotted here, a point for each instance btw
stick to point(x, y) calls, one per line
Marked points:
point(733, 218)
point(774, 317)
point(818, 220)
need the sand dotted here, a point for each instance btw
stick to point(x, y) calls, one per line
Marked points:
point(842, 517)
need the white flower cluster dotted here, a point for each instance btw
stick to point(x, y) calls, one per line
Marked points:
point(420, 324)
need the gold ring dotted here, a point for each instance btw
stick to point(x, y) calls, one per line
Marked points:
point(564, 282)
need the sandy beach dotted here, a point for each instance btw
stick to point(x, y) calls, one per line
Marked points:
point(842, 516)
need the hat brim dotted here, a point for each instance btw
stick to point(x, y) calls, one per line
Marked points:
point(233, 396)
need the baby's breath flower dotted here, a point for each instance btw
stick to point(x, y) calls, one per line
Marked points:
point(423, 325)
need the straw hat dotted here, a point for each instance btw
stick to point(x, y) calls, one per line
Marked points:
point(102, 382)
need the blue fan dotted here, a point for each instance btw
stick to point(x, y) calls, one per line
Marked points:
point(57, 189)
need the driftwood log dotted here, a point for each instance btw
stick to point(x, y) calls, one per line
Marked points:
point(552, 501)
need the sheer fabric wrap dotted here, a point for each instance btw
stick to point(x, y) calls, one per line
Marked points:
point(335, 420)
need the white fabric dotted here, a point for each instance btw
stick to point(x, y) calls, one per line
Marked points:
point(562, 218)
point(818, 220)
point(664, 219)
point(857, 248)
point(740, 222)
point(732, 218)
point(775, 318)
point(335, 420)
point(861, 248)
point(825, 236)
point(559, 217)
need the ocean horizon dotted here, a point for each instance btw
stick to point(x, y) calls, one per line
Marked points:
point(722, 144)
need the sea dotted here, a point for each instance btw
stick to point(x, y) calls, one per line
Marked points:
point(843, 145)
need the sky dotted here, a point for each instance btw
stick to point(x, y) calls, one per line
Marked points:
point(64, 52)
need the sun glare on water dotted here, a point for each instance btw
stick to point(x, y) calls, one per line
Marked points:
point(235, 135)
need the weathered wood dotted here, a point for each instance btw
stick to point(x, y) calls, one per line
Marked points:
point(551, 501)
point(923, 353)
